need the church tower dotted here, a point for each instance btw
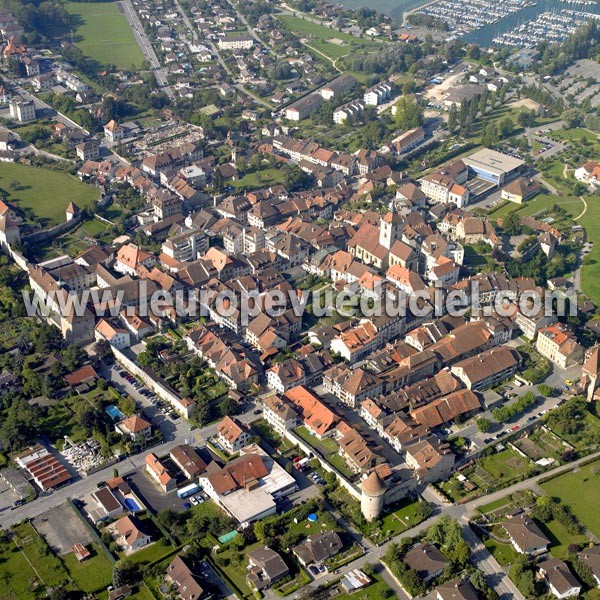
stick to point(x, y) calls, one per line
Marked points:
point(390, 228)
point(590, 371)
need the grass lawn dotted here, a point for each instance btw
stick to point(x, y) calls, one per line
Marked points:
point(92, 575)
point(155, 552)
point(572, 204)
point(45, 192)
point(95, 227)
point(505, 554)
point(325, 522)
point(492, 506)
point(259, 179)
point(576, 134)
point(568, 489)
point(103, 33)
point(334, 44)
point(560, 539)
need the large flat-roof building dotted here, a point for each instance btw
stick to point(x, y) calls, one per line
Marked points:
point(494, 166)
point(246, 487)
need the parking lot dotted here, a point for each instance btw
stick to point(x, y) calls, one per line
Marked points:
point(8, 496)
point(62, 528)
point(155, 410)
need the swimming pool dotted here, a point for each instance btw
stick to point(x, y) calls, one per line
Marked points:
point(114, 413)
point(132, 505)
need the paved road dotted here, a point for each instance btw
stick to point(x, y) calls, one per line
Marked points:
point(146, 47)
point(484, 561)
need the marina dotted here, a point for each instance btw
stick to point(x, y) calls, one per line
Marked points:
point(464, 16)
point(549, 26)
point(520, 24)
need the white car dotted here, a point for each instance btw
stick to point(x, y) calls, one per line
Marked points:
point(193, 501)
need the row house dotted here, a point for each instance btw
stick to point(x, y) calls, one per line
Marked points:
point(306, 370)
point(350, 111)
point(488, 368)
point(338, 86)
point(316, 416)
point(558, 344)
point(280, 414)
point(399, 431)
point(303, 108)
point(230, 361)
point(408, 140)
point(359, 453)
point(431, 459)
point(351, 386)
point(377, 94)
point(446, 185)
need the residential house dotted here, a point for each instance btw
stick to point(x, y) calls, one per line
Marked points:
point(130, 535)
point(159, 473)
point(426, 560)
point(281, 415)
point(488, 368)
point(265, 567)
point(456, 589)
point(232, 435)
point(562, 583)
point(525, 535)
point(431, 459)
point(136, 428)
point(317, 548)
point(185, 580)
point(558, 344)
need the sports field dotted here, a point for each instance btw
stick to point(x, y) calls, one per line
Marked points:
point(45, 192)
point(103, 33)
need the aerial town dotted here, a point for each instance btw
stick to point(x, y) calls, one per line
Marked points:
point(299, 300)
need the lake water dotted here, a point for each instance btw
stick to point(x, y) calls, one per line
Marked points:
point(485, 35)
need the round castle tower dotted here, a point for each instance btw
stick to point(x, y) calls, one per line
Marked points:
point(371, 500)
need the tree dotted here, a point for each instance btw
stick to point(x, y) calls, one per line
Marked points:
point(545, 390)
point(484, 425)
point(125, 572)
point(526, 118)
point(408, 113)
point(505, 128)
point(474, 52)
point(452, 119)
point(572, 117)
point(512, 223)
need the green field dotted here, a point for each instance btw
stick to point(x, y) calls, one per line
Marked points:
point(330, 42)
point(580, 490)
point(103, 33)
point(45, 192)
point(590, 274)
